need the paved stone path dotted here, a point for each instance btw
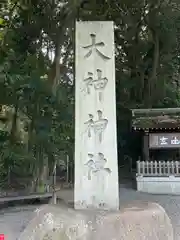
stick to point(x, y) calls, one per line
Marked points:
point(13, 220)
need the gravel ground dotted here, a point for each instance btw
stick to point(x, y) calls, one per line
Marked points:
point(13, 220)
point(170, 203)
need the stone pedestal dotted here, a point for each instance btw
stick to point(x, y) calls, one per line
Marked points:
point(139, 221)
point(159, 185)
point(96, 171)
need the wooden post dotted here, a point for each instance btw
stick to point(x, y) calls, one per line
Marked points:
point(146, 146)
point(152, 169)
point(54, 184)
point(155, 166)
point(138, 167)
point(147, 165)
point(164, 168)
point(168, 167)
point(172, 168)
point(67, 168)
point(160, 169)
point(177, 167)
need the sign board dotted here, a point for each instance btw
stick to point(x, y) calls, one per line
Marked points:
point(164, 140)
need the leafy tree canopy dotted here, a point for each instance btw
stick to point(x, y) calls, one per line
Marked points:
point(37, 69)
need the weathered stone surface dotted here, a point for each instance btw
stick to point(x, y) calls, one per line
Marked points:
point(54, 222)
point(96, 173)
point(141, 221)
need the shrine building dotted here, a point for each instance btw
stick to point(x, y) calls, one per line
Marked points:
point(158, 166)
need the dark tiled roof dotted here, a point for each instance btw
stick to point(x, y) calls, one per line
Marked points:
point(156, 118)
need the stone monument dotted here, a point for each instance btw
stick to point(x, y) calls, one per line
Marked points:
point(96, 174)
point(139, 221)
point(96, 168)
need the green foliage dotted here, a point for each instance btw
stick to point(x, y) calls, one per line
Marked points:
point(35, 36)
point(40, 123)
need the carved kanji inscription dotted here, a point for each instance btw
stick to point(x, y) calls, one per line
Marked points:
point(94, 47)
point(99, 83)
point(98, 126)
point(96, 164)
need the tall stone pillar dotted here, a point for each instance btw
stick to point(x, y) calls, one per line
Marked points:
point(96, 167)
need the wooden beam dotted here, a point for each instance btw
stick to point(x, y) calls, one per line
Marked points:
point(25, 197)
point(155, 110)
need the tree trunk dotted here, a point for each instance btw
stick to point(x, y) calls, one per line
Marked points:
point(13, 133)
point(151, 80)
point(57, 68)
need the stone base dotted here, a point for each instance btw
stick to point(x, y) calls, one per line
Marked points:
point(159, 185)
point(136, 222)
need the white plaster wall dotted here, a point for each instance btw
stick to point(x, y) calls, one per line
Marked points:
point(159, 185)
point(103, 187)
